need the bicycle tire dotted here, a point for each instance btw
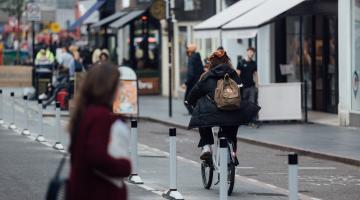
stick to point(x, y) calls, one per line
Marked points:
point(231, 178)
point(207, 178)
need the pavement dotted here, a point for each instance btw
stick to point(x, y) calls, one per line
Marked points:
point(318, 140)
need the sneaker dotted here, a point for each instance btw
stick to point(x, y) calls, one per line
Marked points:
point(205, 152)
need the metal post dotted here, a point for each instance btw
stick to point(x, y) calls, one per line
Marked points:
point(12, 123)
point(134, 177)
point(58, 144)
point(26, 131)
point(172, 193)
point(170, 27)
point(1, 107)
point(40, 137)
point(223, 169)
point(306, 101)
point(293, 176)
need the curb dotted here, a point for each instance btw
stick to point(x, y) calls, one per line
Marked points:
point(300, 151)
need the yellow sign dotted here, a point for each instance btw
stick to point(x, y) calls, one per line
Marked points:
point(55, 27)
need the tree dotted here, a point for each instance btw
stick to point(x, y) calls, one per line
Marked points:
point(14, 8)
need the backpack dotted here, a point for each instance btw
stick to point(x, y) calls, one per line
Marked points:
point(227, 94)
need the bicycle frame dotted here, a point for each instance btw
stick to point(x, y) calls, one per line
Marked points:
point(216, 157)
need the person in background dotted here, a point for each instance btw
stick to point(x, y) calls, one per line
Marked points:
point(44, 57)
point(247, 69)
point(104, 56)
point(195, 70)
point(66, 62)
point(98, 139)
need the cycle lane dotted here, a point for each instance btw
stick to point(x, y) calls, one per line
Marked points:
point(154, 170)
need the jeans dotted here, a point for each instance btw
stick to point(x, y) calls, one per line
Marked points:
point(229, 132)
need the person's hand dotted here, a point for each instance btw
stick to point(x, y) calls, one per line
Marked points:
point(183, 86)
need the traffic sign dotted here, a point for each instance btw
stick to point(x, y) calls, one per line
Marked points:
point(55, 27)
point(33, 12)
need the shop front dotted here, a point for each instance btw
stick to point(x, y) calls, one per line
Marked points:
point(138, 46)
point(355, 67)
point(306, 51)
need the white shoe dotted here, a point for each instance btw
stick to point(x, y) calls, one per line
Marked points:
point(205, 152)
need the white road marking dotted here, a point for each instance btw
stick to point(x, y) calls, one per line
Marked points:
point(242, 178)
point(316, 168)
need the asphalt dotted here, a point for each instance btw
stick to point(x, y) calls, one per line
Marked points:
point(266, 168)
point(317, 140)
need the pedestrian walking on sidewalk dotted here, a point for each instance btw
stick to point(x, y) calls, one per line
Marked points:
point(195, 69)
point(99, 139)
point(206, 113)
point(247, 69)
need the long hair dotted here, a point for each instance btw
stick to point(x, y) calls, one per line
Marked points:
point(98, 88)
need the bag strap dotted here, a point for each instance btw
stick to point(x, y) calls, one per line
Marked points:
point(60, 166)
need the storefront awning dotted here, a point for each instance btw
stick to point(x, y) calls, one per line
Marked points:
point(87, 14)
point(210, 27)
point(259, 16)
point(108, 19)
point(126, 19)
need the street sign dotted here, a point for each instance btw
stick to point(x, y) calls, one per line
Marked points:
point(55, 27)
point(33, 12)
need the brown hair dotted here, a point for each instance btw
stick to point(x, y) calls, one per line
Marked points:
point(98, 88)
point(219, 57)
point(251, 49)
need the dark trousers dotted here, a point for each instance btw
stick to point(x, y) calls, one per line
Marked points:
point(229, 132)
point(251, 94)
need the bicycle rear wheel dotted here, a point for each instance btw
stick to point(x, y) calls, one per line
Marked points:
point(207, 172)
point(231, 178)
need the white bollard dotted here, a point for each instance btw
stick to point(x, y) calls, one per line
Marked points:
point(12, 123)
point(1, 107)
point(223, 169)
point(173, 193)
point(40, 137)
point(134, 177)
point(293, 176)
point(26, 131)
point(58, 144)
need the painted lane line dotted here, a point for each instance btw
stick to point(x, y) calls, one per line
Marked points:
point(317, 168)
point(242, 178)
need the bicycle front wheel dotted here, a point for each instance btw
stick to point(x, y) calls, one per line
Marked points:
point(207, 173)
point(231, 178)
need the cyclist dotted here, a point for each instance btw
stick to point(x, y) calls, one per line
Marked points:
point(206, 114)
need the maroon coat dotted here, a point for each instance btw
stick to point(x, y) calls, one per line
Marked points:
point(90, 155)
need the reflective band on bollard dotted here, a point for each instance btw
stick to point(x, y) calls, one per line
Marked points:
point(40, 137)
point(172, 193)
point(12, 123)
point(223, 169)
point(58, 144)
point(293, 176)
point(26, 131)
point(1, 107)
point(134, 177)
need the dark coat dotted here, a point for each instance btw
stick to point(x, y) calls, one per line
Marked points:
point(89, 154)
point(195, 69)
point(205, 113)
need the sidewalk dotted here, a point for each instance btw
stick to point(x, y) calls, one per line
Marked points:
point(328, 142)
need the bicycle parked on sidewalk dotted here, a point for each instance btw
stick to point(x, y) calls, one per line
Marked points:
point(211, 165)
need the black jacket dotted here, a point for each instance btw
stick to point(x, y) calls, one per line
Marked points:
point(195, 69)
point(205, 113)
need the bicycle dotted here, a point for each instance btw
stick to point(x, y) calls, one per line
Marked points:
point(209, 166)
